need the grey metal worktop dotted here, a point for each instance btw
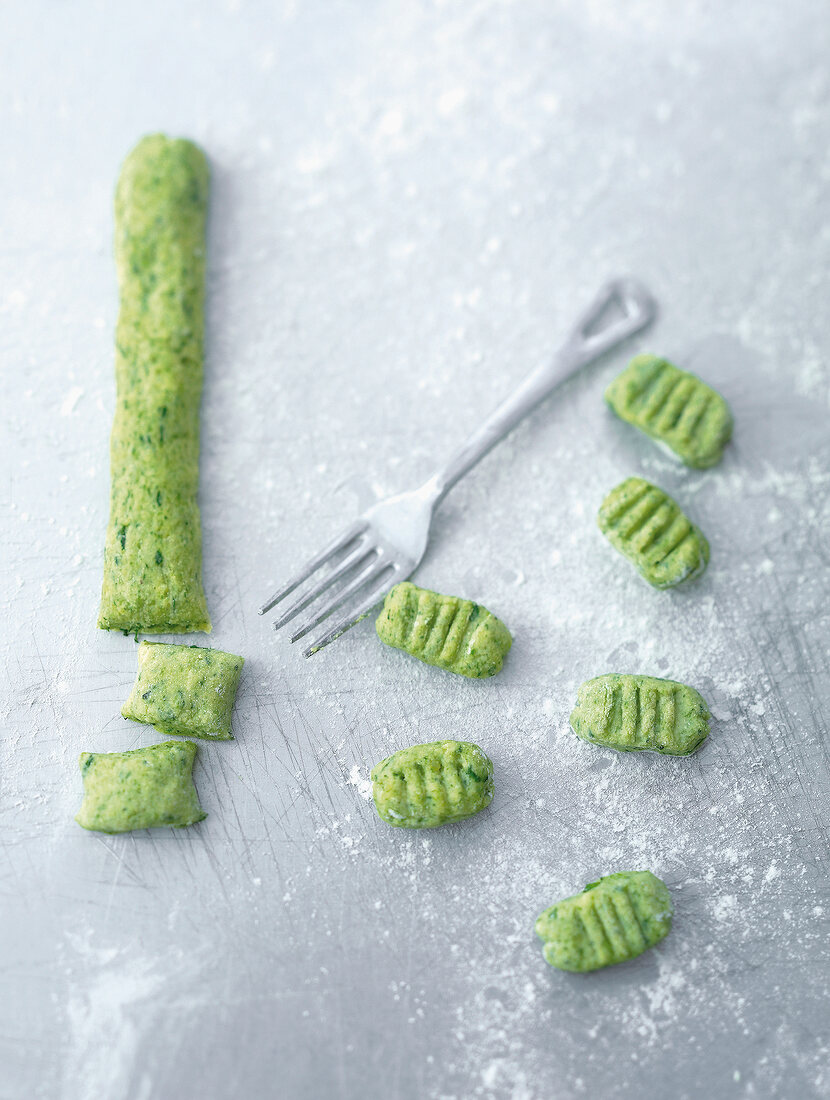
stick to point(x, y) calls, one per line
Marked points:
point(410, 203)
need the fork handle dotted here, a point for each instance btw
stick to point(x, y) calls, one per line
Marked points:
point(588, 339)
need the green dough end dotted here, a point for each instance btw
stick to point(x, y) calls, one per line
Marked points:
point(641, 713)
point(429, 785)
point(185, 690)
point(648, 527)
point(445, 631)
point(139, 789)
point(153, 555)
point(611, 921)
point(674, 407)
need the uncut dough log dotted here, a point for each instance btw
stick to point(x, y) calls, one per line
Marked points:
point(153, 556)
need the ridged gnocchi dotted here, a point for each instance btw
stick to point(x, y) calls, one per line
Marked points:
point(673, 406)
point(446, 631)
point(424, 786)
point(641, 713)
point(613, 920)
point(648, 527)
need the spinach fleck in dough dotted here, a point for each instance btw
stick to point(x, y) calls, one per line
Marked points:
point(673, 406)
point(648, 527)
point(424, 786)
point(153, 556)
point(641, 713)
point(612, 920)
point(185, 690)
point(139, 789)
point(446, 631)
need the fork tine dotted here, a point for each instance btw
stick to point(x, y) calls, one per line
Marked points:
point(372, 571)
point(351, 620)
point(343, 540)
point(355, 558)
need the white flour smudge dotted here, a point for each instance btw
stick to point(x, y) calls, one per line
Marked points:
point(71, 400)
point(361, 782)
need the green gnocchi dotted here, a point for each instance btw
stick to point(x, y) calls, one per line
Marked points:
point(184, 690)
point(641, 713)
point(613, 920)
point(139, 789)
point(647, 526)
point(424, 786)
point(674, 407)
point(448, 632)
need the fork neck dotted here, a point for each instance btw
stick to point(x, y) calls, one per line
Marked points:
point(433, 491)
point(534, 388)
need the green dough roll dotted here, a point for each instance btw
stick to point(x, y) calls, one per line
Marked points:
point(425, 786)
point(139, 789)
point(185, 690)
point(613, 920)
point(153, 556)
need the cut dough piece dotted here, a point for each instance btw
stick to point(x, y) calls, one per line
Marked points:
point(424, 786)
point(648, 527)
point(674, 407)
point(612, 920)
point(446, 631)
point(641, 713)
point(153, 555)
point(139, 789)
point(185, 690)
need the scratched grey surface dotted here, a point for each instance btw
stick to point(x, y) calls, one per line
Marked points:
point(410, 203)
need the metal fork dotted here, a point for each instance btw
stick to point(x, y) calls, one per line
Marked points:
point(387, 542)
